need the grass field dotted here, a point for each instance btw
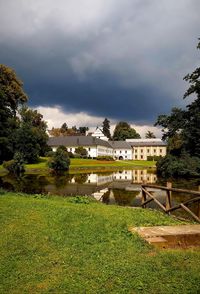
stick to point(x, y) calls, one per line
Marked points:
point(72, 245)
point(90, 164)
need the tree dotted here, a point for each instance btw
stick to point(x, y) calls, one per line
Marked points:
point(81, 151)
point(181, 130)
point(123, 131)
point(64, 129)
point(149, 135)
point(83, 130)
point(16, 165)
point(60, 160)
point(31, 137)
point(12, 96)
point(106, 128)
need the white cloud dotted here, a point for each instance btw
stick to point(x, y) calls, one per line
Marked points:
point(55, 117)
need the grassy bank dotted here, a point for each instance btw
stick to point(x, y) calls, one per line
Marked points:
point(57, 245)
point(90, 164)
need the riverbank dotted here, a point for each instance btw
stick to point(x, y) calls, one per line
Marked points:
point(88, 165)
point(76, 245)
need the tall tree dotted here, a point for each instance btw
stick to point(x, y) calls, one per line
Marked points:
point(106, 128)
point(149, 135)
point(31, 137)
point(12, 96)
point(124, 131)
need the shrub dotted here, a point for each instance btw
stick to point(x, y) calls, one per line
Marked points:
point(82, 152)
point(60, 160)
point(154, 158)
point(16, 165)
point(184, 166)
point(105, 157)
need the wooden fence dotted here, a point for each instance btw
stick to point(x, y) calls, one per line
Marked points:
point(147, 197)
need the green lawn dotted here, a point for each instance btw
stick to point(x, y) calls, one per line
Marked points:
point(58, 245)
point(89, 164)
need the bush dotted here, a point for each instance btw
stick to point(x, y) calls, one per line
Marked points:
point(105, 157)
point(60, 160)
point(16, 165)
point(82, 152)
point(184, 166)
point(154, 158)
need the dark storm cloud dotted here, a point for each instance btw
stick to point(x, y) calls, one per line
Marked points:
point(117, 59)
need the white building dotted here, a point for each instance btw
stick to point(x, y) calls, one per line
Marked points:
point(131, 149)
point(95, 147)
point(98, 133)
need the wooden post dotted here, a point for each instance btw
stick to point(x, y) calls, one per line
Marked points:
point(198, 206)
point(144, 196)
point(168, 196)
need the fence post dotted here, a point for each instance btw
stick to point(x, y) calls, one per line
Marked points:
point(144, 196)
point(168, 196)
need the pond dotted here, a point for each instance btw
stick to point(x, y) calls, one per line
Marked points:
point(118, 187)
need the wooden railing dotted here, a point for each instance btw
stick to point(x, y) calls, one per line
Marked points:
point(147, 197)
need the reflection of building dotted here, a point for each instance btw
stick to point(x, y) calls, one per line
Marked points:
point(99, 179)
point(123, 175)
point(138, 176)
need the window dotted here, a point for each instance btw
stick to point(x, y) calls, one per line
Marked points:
point(120, 151)
point(89, 149)
point(135, 156)
point(154, 150)
point(148, 150)
point(141, 156)
point(126, 151)
point(125, 156)
point(71, 149)
point(135, 150)
point(160, 150)
point(141, 150)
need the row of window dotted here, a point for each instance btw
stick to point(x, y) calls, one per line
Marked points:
point(148, 150)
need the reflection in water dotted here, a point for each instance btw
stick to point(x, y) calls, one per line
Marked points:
point(122, 187)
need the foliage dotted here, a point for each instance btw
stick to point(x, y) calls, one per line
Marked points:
point(173, 166)
point(64, 130)
point(31, 137)
point(181, 130)
point(86, 248)
point(82, 152)
point(16, 165)
point(60, 160)
point(124, 131)
point(106, 128)
point(149, 135)
point(154, 158)
point(11, 97)
point(105, 158)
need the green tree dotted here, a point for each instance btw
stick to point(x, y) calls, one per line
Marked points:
point(81, 151)
point(181, 130)
point(83, 130)
point(149, 135)
point(16, 165)
point(106, 128)
point(124, 131)
point(31, 137)
point(60, 160)
point(12, 96)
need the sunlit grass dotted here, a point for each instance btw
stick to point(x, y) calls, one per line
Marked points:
point(77, 163)
point(73, 245)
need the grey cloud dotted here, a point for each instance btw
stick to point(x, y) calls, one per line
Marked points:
point(120, 59)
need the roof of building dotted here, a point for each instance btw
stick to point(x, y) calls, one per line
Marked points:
point(120, 144)
point(77, 141)
point(161, 143)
